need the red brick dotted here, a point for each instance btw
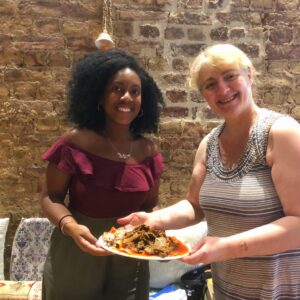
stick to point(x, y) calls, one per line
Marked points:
point(180, 65)
point(281, 35)
point(283, 18)
point(22, 74)
point(40, 43)
point(8, 7)
point(175, 79)
point(237, 33)
point(250, 49)
point(219, 34)
point(149, 31)
point(59, 59)
point(196, 34)
point(177, 96)
point(174, 33)
point(141, 15)
point(56, 9)
point(47, 26)
point(189, 50)
point(196, 97)
point(176, 112)
point(253, 18)
point(84, 43)
point(282, 52)
point(188, 18)
point(123, 28)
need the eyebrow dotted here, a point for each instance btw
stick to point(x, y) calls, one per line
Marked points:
point(222, 73)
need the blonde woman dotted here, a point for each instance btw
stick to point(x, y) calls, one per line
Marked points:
point(245, 182)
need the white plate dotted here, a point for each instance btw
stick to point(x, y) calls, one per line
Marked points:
point(102, 243)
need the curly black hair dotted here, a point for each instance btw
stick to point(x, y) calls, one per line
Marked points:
point(90, 76)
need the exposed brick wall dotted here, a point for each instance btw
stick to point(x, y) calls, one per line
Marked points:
point(39, 40)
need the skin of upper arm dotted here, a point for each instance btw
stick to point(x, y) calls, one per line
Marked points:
point(198, 174)
point(57, 183)
point(150, 149)
point(152, 199)
point(283, 156)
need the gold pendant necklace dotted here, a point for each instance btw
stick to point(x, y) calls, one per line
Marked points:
point(120, 154)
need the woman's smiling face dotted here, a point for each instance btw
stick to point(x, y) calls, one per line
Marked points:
point(122, 98)
point(226, 91)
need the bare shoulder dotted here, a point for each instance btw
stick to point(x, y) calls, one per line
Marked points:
point(146, 146)
point(284, 159)
point(200, 159)
point(284, 138)
point(284, 130)
point(198, 173)
point(201, 152)
point(80, 137)
point(285, 124)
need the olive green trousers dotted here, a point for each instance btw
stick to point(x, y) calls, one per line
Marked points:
point(71, 274)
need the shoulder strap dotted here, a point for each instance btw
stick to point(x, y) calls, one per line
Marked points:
point(262, 130)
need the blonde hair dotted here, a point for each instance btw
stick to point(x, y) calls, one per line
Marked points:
point(219, 56)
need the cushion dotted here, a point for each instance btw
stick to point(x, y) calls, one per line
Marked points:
point(35, 292)
point(30, 249)
point(20, 290)
point(164, 273)
point(3, 230)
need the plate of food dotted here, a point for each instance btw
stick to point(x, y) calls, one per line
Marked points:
point(143, 243)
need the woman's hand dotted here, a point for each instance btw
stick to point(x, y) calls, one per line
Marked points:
point(84, 239)
point(207, 250)
point(138, 218)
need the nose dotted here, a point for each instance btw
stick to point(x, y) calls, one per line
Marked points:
point(126, 96)
point(223, 87)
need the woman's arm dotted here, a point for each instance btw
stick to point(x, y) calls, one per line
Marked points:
point(152, 199)
point(53, 194)
point(283, 156)
point(52, 203)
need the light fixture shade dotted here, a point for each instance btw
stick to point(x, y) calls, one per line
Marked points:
point(104, 41)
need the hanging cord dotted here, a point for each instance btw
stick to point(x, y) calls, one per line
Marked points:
point(107, 17)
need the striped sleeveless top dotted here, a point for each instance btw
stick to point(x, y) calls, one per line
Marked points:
point(238, 199)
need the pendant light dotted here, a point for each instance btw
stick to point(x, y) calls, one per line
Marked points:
point(104, 41)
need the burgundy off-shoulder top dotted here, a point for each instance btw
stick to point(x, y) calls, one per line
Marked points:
point(103, 188)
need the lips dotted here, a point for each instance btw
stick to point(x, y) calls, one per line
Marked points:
point(124, 109)
point(228, 99)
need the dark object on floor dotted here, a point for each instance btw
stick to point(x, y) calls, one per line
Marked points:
point(194, 282)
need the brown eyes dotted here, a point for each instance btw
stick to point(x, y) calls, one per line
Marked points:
point(133, 91)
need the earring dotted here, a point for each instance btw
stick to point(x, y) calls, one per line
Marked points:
point(140, 114)
point(99, 107)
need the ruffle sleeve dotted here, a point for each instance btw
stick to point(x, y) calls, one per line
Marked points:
point(68, 159)
point(157, 166)
point(105, 174)
point(115, 175)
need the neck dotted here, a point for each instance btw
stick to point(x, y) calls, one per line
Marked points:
point(234, 137)
point(242, 123)
point(119, 134)
point(120, 140)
